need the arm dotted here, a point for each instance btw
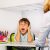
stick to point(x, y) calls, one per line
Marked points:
point(47, 40)
point(45, 34)
point(30, 38)
point(18, 36)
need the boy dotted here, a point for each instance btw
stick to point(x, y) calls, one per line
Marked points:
point(24, 34)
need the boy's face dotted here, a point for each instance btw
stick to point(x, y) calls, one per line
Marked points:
point(23, 27)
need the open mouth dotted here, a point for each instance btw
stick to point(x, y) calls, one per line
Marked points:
point(23, 29)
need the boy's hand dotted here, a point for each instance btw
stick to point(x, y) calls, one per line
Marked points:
point(30, 39)
point(18, 31)
point(29, 29)
point(18, 35)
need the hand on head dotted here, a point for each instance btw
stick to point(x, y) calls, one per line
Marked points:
point(18, 31)
point(29, 29)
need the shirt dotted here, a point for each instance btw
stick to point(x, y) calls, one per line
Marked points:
point(24, 38)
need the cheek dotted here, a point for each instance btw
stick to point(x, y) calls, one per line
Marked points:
point(26, 28)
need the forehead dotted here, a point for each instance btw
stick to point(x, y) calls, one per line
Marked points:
point(25, 22)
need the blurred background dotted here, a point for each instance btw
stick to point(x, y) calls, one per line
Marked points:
point(11, 11)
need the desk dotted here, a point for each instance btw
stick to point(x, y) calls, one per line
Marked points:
point(25, 44)
point(16, 44)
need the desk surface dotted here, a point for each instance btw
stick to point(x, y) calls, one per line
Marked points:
point(24, 44)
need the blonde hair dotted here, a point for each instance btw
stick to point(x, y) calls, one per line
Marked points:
point(46, 5)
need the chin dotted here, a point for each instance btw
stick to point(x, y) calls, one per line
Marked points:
point(23, 33)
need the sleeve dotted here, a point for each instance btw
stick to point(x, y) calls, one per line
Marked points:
point(45, 34)
point(41, 41)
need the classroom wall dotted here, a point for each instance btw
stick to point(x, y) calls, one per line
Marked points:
point(11, 3)
point(38, 19)
point(9, 20)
